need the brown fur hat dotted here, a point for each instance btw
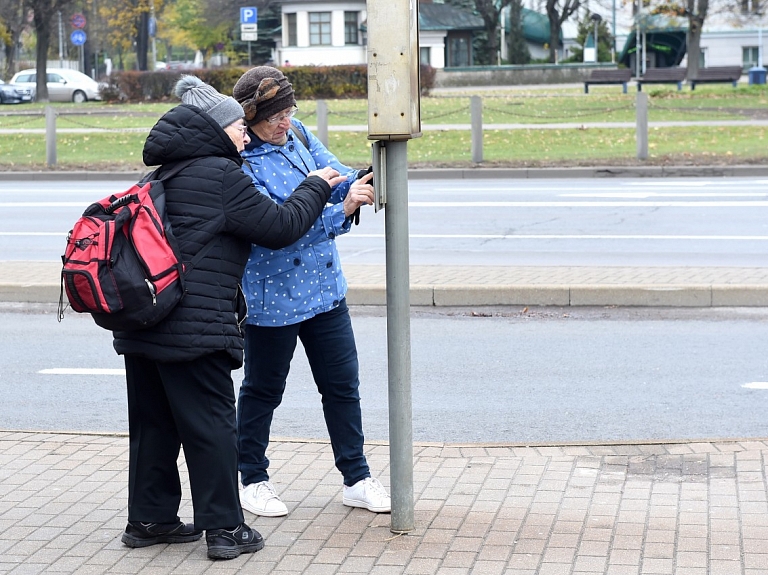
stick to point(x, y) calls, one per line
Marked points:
point(263, 91)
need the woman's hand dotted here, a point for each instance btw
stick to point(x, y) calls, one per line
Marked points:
point(360, 192)
point(329, 175)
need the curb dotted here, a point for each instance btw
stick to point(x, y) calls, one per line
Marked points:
point(701, 296)
point(459, 173)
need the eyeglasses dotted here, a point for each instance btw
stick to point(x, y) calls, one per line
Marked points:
point(280, 117)
point(242, 127)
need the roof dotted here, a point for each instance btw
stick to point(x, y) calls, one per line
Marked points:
point(535, 27)
point(447, 17)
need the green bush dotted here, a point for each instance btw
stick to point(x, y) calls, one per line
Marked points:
point(309, 82)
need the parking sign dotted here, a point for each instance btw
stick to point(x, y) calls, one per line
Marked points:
point(248, 15)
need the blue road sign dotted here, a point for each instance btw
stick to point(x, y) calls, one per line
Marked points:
point(248, 15)
point(77, 37)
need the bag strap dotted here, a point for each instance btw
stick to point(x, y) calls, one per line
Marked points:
point(162, 175)
point(300, 135)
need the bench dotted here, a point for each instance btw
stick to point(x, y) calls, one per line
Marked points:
point(674, 75)
point(715, 74)
point(621, 76)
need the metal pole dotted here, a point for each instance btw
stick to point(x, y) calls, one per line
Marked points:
point(61, 42)
point(322, 122)
point(399, 337)
point(476, 115)
point(597, 58)
point(249, 53)
point(641, 109)
point(50, 136)
point(613, 48)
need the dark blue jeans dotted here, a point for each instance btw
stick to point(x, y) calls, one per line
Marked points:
point(329, 342)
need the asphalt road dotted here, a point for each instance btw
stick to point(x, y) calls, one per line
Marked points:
point(640, 221)
point(545, 375)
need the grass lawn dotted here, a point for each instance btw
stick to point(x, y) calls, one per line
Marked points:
point(522, 147)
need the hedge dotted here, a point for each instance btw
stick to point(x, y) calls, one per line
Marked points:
point(309, 82)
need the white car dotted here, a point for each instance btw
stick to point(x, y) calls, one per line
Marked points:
point(63, 85)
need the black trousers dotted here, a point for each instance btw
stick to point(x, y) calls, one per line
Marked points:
point(189, 404)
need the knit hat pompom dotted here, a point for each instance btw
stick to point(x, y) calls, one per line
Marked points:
point(185, 84)
point(223, 109)
point(263, 91)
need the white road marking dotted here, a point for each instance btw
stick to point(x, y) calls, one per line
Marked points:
point(42, 234)
point(643, 195)
point(81, 371)
point(570, 237)
point(654, 204)
point(45, 204)
point(516, 204)
point(501, 236)
point(756, 385)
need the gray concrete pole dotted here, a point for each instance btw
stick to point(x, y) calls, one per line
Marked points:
point(50, 136)
point(641, 109)
point(399, 338)
point(476, 116)
point(322, 122)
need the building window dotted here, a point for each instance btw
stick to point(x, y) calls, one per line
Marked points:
point(750, 6)
point(703, 58)
point(350, 27)
point(290, 24)
point(319, 28)
point(749, 56)
point(424, 53)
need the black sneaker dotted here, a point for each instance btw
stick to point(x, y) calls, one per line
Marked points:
point(228, 544)
point(145, 534)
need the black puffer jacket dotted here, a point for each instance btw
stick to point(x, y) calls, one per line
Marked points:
point(212, 198)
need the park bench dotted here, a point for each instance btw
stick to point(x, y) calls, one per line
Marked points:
point(674, 75)
point(621, 76)
point(715, 74)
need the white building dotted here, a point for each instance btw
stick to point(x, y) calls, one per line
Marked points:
point(322, 32)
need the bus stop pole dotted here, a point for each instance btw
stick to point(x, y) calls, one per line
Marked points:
point(399, 338)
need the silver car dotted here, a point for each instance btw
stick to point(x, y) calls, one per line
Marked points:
point(63, 85)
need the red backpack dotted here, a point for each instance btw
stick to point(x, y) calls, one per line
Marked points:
point(122, 263)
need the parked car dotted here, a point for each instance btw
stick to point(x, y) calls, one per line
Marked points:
point(14, 94)
point(63, 85)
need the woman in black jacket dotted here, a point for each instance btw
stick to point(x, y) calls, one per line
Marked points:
point(180, 390)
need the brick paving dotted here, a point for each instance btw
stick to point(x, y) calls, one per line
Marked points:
point(697, 508)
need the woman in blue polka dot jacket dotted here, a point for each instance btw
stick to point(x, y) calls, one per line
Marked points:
point(298, 292)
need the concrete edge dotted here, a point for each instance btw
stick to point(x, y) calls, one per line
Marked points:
point(506, 295)
point(524, 444)
point(457, 173)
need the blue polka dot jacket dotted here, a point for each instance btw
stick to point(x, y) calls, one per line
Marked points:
point(289, 285)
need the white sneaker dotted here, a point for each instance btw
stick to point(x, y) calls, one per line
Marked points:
point(368, 493)
point(262, 499)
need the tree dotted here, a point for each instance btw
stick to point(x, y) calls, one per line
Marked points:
point(518, 48)
point(127, 22)
point(488, 39)
point(12, 24)
point(558, 11)
point(696, 13)
point(44, 12)
point(604, 39)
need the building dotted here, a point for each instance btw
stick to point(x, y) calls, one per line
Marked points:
point(321, 32)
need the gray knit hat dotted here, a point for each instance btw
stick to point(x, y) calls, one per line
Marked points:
point(263, 91)
point(223, 109)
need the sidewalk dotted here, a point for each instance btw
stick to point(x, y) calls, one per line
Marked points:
point(685, 508)
point(494, 285)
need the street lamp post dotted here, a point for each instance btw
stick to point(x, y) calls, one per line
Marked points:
point(596, 18)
